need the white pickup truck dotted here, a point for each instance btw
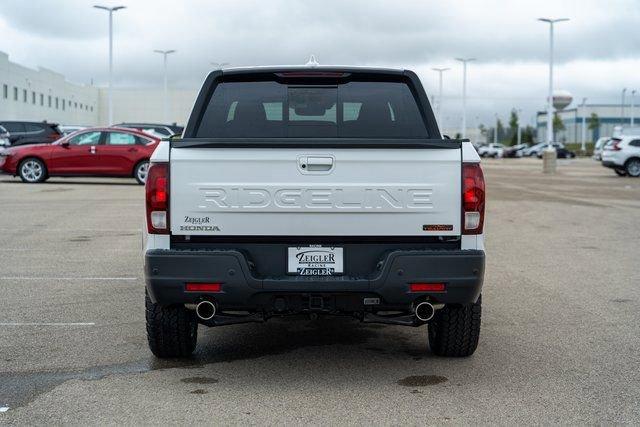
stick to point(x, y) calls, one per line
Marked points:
point(314, 191)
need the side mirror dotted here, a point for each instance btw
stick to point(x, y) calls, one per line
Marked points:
point(64, 144)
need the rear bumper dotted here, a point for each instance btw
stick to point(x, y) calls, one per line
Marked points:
point(167, 272)
point(612, 164)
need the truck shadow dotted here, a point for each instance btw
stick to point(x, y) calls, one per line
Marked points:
point(280, 336)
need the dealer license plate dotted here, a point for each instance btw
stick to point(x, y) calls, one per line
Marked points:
point(315, 261)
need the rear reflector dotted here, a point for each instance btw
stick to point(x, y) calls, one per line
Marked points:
point(204, 287)
point(427, 287)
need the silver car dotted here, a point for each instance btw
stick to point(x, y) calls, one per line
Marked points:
point(599, 146)
point(4, 138)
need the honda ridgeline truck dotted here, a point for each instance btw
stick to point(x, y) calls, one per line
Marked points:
point(314, 191)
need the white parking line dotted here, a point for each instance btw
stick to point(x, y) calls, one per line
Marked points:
point(67, 278)
point(45, 324)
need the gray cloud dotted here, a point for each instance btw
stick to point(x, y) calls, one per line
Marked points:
point(511, 46)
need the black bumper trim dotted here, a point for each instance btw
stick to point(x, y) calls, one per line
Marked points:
point(610, 164)
point(167, 271)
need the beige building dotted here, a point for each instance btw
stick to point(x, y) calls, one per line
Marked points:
point(42, 94)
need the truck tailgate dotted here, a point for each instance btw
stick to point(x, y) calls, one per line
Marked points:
point(315, 192)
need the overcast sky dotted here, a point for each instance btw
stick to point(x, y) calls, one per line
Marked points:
point(597, 52)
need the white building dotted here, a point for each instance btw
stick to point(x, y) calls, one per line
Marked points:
point(42, 94)
point(146, 105)
point(609, 116)
point(27, 94)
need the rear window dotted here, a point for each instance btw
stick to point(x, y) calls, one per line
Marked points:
point(268, 109)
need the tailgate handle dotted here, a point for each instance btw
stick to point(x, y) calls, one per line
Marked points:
point(317, 163)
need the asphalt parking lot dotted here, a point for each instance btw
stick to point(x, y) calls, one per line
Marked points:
point(560, 340)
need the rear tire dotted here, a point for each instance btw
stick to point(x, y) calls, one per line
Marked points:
point(171, 331)
point(140, 172)
point(32, 170)
point(633, 167)
point(454, 331)
point(620, 172)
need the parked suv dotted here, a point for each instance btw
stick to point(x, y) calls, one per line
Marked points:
point(623, 155)
point(4, 138)
point(561, 151)
point(314, 191)
point(22, 133)
point(538, 148)
point(491, 150)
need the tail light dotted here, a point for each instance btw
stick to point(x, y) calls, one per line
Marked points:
point(157, 198)
point(473, 195)
point(616, 146)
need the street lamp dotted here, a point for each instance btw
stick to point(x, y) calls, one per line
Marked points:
point(633, 106)
point(164, 54)
point(549, 155)
point(110, 94)
point(464, 93)
point(584, 124)
point(220, 64)
point(624, 91)
point(550, 97)
point(519, 127)
point(439, 111)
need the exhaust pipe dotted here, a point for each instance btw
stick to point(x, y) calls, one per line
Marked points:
point(205, 310)
point(425, 311)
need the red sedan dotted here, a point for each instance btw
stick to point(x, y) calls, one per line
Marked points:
point(89, 152)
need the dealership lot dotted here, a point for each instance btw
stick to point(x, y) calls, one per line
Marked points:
point(560, 340)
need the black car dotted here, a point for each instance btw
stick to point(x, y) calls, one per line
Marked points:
point(22, 133)
point(561, 152)
point(157, 128)
point(515, 151)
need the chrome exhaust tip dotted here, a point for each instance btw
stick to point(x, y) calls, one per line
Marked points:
point(205, 310)
point(425, 311)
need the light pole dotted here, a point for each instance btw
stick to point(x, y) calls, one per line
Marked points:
point(220, 65)
point(464, 93)
point(109, 93)
point(550, 97)
point(633, 106)
point(584, 124)
point(624, 91)
point(439, 111)
point(495, 133)
point(519, 127)
point(164, 54)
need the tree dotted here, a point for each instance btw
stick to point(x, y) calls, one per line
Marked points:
point(528, 135)
point(594, 125)
point(513, 126)
point(500, 130)
point(558, 124)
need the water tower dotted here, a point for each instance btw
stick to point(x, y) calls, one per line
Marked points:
point(561, 99)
